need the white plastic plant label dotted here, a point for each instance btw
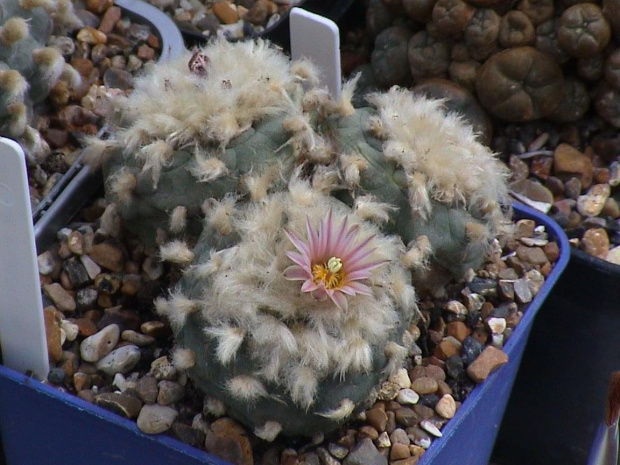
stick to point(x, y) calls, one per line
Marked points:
point(317, 39)
point(22, 328)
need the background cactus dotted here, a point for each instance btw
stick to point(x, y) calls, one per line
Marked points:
point(29, 70)
point(283, 360)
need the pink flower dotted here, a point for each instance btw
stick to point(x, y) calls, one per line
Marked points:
point(333, 261)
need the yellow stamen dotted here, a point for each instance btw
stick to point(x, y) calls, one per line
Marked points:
point(330, 273)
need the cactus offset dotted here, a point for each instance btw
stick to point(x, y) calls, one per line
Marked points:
point(289, 348)
point(29, 70)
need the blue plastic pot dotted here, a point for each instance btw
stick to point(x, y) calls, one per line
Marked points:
point(39, 424)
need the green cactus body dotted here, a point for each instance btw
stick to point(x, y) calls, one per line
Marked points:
point(150, 206)
point(276, 356)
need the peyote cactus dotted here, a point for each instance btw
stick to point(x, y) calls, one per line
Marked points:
point(294, 325)
point(225, 119)
point(407, 162)
point(293, 304)
point(29, 70)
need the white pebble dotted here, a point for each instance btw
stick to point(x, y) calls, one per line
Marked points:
point(155, 419)
point(407, 397)
point(497, 325)
point(120, 360)
point(100, 344)
point(430, 428)
point(384, 440)
point(401, 378)
point(71, 330)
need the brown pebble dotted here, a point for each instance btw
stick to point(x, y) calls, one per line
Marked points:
point(406, 417)
point(145, 53)
point(568, 161)
point(447, 348)
point(458, 329)
point(424, 385)
point(430, 371)
point(109, 19)
point(98, 6)
point(489, 360)
point(377, 418)
point(399, 451)
point(108, 256)
point(153, 41)
point(595, 241)
point(52, 332)
point(81, 381)
point(63, 300)
point(367, 431)
point(155, 329)
point(225, 12)
point(91, 36)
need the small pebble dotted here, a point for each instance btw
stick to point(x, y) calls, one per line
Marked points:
point(97, 346)
point(155, 419)
point(120, 360)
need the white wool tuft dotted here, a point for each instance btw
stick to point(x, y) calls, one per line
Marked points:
point(345, 409)
point(419, 254)
point(214, 406)
point(352, 166)
point(302, 384)
point(229, 341)
point(177, 309)
point(246, 388)
point(178, 219)
point(219, 214)
point(396, 355)
point(367, 208)
point(208, 169)
point(183, 359)
point(176, 252)
point(122, 184)
point(422, 137)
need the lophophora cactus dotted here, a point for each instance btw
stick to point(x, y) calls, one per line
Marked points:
point(30, 70)
point(225, 119)
point(408, 162)
point(300, 223)
point(521, 60)
point(294, 325)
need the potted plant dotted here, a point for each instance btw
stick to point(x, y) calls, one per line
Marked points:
point(274, 127)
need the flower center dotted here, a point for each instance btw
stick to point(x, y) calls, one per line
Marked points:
point(330, 273)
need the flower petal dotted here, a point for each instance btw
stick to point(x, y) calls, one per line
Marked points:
point(358, 274)
point(299, 259)
point(296, 273)
point(313, 240)
point(340, 300)
point(320, 293)
point(339, 242)
point(357, 288)
point(309, 286)
point(325, 234)
point(350, 253)
point(297, 242)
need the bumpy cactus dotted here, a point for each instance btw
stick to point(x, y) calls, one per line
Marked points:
point(29, 70)
point(409, 163)
point(294, 325)
point(225, 119)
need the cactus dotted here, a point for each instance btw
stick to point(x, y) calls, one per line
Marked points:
point(227, 118)
point(300, 223)
point(408, 162)
point(192, 133)
point(283, 356)
point(29, 70)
